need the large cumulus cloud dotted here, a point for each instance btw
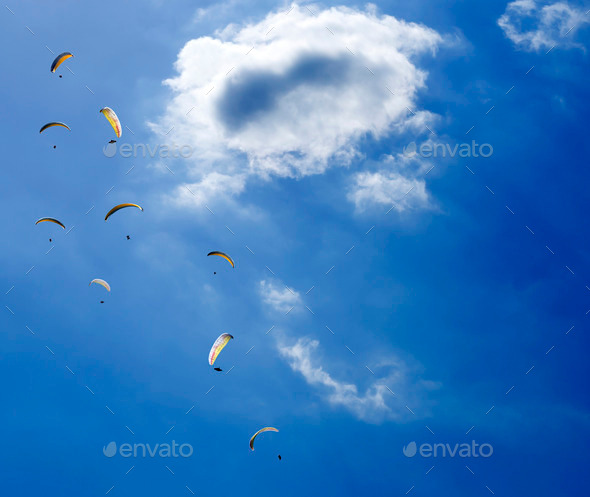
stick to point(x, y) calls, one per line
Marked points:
point(292, 95)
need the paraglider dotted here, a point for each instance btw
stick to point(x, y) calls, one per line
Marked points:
point(218, 369)
point(112, 119)
point(59, 59)
point(103, 283)
point(218, 346)
point(280, 457)
point(50, 220)
point(225, 256)
point(268, 428)
point(52, 124)
point(119, 207)
point(128, 237)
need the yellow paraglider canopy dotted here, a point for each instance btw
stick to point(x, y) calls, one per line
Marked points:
point(113, 119)
point(225, 256)
point(59, 59)
point(119, 207)
point(50, 220)
point(52, 124)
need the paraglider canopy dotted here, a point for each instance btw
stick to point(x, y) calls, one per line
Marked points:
point(119, 207)
point(218, 346)
point(52, 124)
point(268, 428)
point(50, 220)
point(59, 59)
point(113, 120)
point(103, 283)
point(225, 256)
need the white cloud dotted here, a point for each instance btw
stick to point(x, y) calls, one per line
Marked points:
point(278, 297)
point(377, 403)
point(285, 97)
point(551, 24)
point(388, 188)
point(212, 185)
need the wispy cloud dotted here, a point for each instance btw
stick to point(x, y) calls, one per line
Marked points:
point(386, 188)
point(378, 403)
point(551, 24)
point(278, 297)
point(213, 185)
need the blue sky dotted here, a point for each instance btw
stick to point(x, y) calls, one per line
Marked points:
point(418, 323)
